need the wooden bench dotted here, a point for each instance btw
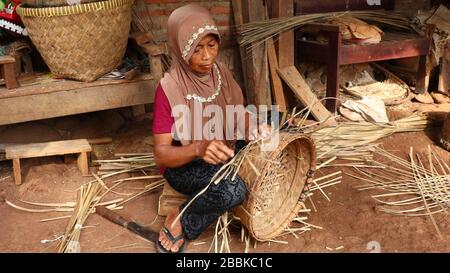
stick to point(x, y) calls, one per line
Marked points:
point(8, 72)
point(15, 152)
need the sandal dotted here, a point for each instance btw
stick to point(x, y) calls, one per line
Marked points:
point(161, 249)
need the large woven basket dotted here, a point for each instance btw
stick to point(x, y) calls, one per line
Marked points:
point(445, 134)
point(81, 42)
point(279, 187)
point(54, 3)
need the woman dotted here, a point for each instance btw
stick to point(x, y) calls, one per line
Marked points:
point(188, 162)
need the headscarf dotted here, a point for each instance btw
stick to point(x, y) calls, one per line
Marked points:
point(184, 87)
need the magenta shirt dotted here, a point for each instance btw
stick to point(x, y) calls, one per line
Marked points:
point(162, 116)
point(162, 113)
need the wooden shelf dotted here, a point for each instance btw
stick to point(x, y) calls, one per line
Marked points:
point(54, 98)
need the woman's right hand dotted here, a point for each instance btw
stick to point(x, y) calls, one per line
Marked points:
point(213, 152)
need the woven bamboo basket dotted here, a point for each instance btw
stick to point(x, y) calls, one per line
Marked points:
point(402, 94)
point(445, 134)
point(54, 3)
point(81, 42)
point(279, 187)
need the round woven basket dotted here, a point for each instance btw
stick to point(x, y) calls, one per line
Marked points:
point(279, 187)
point(81, 42)
point(445, 134)
point(389, 98)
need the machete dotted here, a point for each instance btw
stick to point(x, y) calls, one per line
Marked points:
point(130, 225)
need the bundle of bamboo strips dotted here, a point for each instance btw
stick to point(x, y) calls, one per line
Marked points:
point(412, 188)
point(352, 140)
point(86, 201)
point(255, 33)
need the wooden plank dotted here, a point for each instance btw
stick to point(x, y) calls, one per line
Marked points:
point(47, 148)
point(301, 89)
point(169, 199)
point(257, 69)
point(17, 171)
point(41, 104)
point(55, 85)
point(277, 85)
point(350, 54)
point(388, 50)
point(285, 43)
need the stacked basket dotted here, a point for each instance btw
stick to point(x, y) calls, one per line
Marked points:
point(83, 41)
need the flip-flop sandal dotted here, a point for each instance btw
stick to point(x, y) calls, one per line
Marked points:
point(161, 249)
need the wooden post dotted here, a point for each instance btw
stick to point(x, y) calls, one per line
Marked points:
point(8, 71)
point(258, 89)
point(334, 46)
point(285, 43)
point(239, 20)
point(83, 163)
point(276, 84)
point(423, 74)
point(444, 79)
point(17, 171)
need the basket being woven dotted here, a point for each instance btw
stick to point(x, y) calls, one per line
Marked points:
point(278, 187)
point(445, 134)
point(81, 42)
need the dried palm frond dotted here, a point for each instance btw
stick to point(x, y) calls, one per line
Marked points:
point(256, 33)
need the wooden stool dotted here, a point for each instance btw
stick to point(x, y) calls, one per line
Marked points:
point(18, 151)
point(169, 199)
point(7, 71)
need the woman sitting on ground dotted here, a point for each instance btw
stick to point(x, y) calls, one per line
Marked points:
point(195, 79)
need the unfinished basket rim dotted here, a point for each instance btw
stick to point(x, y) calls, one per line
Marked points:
point(266, 221)
point(70, 10)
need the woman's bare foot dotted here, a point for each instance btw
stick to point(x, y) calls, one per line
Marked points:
point(176, 231)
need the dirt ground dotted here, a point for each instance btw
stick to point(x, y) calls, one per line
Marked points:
point(350, 221)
